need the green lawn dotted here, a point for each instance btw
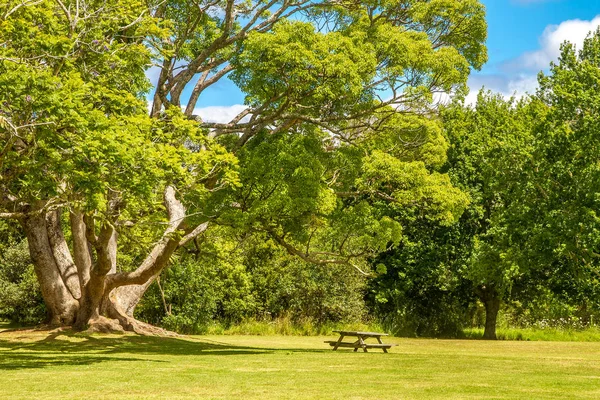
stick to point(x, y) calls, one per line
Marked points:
point(42, 365)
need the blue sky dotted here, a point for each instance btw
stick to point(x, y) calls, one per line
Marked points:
point(523, 37)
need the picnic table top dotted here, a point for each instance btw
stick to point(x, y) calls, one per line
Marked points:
point(358, 333)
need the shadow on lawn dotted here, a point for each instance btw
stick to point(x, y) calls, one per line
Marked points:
point(68, 348)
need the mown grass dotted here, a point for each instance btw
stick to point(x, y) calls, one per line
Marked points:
point(63, 365)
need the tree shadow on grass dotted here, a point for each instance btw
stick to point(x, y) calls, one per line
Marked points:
point(68, 348)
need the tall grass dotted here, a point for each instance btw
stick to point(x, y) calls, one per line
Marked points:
point(591, 334)
point(286, 327)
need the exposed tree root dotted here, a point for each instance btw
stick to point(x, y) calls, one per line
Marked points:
point(126, 324)
point(104, 325)
point(100, 325)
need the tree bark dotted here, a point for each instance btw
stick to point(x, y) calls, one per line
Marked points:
point(492, 307)
point(81, 248)
point(62, 255)
point(126, 298)
point(61, 304)
point(490, 298)
point(84, 289)
point(95, 288)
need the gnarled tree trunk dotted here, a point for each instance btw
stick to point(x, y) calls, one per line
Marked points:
point(52, 273)
point(84, 289)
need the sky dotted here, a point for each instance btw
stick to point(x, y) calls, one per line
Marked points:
point(523, 37)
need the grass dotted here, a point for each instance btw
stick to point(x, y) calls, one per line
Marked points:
point(287, 327)
point(62, 365)
point(548, 334)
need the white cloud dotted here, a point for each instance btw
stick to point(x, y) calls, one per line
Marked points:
point(519, 76)
point(508, 86)
point(152, 74)
point(219, 114)
point(574, 31)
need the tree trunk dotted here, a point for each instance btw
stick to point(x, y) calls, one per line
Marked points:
point(491, 300)
point(85, 289)
point(62, 306)
point(90, 306)
point(126, 298)
point(492, 307)
point(62, 255)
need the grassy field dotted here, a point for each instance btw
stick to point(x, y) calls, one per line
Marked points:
point(55, 365)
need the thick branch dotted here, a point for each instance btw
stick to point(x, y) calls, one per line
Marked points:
point(62, 254)
point(193, 234)
point(49, 206)
point(162, 251)
point(203, 84)
point(81, 248)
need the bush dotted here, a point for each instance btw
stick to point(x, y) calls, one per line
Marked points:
point(229, 283)
point(20, 296)
point(196, 293)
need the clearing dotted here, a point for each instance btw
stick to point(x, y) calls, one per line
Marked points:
point(61, 365)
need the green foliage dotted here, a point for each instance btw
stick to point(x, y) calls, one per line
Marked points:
point(429, 281)
point(285, 326)
point(227, 282)
point(77, 96)
point(285, 287)
point(20, 297)
point(199, 292)
point(420, 290)
point(566, 179)
point(296, 64)
point(540, 334)
point(490, 155)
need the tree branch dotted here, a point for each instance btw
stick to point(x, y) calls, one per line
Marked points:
point(162, 251)
point(310, 258)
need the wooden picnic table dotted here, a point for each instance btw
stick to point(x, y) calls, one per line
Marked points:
point(361, 342)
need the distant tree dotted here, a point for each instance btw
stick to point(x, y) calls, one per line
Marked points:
point(564, 192)
point(490, 158)
point(421, 289)
point(338, 120)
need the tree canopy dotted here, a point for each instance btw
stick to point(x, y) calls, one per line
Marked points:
point(339, 129)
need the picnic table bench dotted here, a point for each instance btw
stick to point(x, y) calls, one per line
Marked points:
point(361, 342)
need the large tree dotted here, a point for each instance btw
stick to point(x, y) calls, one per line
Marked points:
point(340, 118)
point(563, 197)
point(490, 157)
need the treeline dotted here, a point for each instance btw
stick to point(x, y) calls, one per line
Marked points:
point(526, 247)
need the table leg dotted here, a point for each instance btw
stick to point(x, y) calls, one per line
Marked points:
point(362, 344)
point(338, 342)
point(380, 342)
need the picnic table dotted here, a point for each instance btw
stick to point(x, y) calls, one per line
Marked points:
point(361, 342)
